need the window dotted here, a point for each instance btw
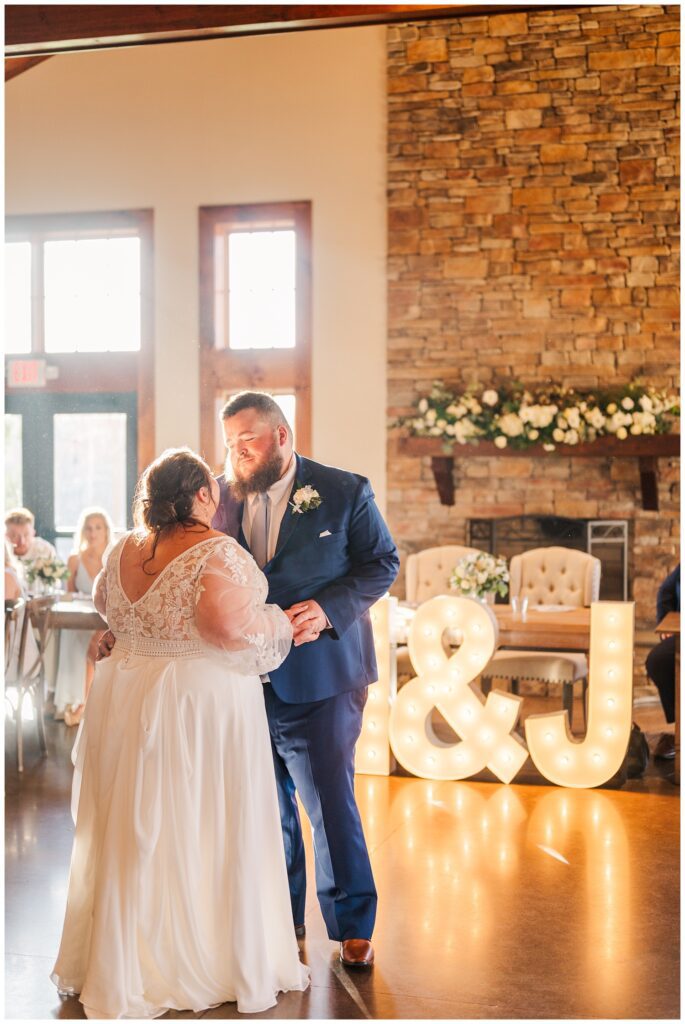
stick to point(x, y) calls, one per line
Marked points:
point(79, 298)
point(255, 313)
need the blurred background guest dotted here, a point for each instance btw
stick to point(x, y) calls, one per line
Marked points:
point(20, 529)
point(15, 588)
point(14, 581)
point(661, 661)
point(78, 649)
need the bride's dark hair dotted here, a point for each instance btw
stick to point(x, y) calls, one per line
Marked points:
point(166, 492)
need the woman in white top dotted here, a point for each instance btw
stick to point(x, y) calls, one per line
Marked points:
point(78, 649)
point(178, 894)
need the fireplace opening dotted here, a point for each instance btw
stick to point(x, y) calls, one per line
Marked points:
point(606, 539)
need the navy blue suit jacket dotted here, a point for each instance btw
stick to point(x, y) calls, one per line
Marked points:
point(346, 571)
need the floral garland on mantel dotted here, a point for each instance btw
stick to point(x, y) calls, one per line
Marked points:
point(515, 416)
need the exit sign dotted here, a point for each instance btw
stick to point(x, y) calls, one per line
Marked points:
point(26, 373)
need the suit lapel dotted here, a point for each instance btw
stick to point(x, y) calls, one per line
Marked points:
point(291, 520)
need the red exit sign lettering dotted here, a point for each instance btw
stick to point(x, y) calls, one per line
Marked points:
point(26, 373)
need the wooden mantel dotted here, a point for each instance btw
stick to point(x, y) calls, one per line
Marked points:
point(645, 449)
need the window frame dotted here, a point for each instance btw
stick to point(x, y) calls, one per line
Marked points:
point(94, 372)
point(278, 370)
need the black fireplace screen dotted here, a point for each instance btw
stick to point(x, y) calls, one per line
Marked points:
point(606, 539)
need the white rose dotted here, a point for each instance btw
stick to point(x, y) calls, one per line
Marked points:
point(442, 424)
point(562, 422)
point(500, 441)
point(621, 433)
point(573, 417)
point(636, 429)
point(490, 397)
point(646, 403)
point(533, 434)
point(558, 434)
point(510, 424)
point(549, 447)
point(611, 408)
point(423, 405)
point(628, 403)
point(431, 417)
point(571, 437)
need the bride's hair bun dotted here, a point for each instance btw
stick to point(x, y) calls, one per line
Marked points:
point(166, 490)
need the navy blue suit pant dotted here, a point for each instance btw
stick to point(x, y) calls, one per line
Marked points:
point(313, 749)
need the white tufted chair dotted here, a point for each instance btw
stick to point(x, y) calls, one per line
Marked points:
point(428, 574)
point(549, 576)
point(428, 571)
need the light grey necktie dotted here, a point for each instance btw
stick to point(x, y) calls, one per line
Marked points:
point(259, 535)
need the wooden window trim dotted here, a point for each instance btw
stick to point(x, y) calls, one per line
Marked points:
point(222, 368)
point(98, 371)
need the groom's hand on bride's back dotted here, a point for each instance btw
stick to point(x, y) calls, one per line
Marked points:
point(105, 645)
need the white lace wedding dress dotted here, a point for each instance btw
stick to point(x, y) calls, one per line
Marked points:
point(178, 893)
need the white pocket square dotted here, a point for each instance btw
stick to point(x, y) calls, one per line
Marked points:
point(325, 533)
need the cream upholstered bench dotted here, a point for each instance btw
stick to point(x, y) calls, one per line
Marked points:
point(549, 576)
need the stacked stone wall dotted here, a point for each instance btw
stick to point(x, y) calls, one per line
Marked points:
point(533, 235)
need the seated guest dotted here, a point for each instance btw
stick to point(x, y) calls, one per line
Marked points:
point(14, 584)
point(661, 660)
point(20, 530)
point(78, 649)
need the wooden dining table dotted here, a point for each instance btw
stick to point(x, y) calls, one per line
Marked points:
point(543, 631)
point(670, 626)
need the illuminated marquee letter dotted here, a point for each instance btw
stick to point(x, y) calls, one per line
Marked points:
point(443, 683)
point(373, 755)
point(599, 756)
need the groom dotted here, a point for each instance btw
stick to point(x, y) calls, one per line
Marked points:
point(328, 556)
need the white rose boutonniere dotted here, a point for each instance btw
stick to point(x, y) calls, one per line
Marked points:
point(305, 499)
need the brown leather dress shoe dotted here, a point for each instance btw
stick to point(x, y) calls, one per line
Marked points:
point(356, 953)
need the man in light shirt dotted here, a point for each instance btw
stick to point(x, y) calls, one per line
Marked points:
point(20, 529)
point(328, 556)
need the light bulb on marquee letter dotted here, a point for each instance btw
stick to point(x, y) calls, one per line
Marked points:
point(443, 683)
point(372, 754)
point(599, 756)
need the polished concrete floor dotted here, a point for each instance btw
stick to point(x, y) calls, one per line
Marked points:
point(496, 901)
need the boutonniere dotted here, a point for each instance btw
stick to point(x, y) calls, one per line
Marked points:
point(305, 499)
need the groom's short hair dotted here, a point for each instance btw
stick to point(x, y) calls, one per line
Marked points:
point(259, 400)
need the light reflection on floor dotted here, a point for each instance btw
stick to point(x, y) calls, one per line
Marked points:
point(495, 901)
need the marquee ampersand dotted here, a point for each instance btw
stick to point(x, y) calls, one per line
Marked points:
point(443, 682)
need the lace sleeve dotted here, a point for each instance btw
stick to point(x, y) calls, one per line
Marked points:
point(100, 584)
point(230, 613)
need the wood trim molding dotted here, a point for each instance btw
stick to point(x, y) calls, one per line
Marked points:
point(32, 30)
point(108, 371)
point(224, 369)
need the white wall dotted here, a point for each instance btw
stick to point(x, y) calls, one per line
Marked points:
point(175, 127)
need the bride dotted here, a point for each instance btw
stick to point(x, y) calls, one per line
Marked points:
point(178, 894)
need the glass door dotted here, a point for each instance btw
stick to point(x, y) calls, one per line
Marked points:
point(65, 452)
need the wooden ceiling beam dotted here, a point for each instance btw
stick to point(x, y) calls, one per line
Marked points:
point(40, 30)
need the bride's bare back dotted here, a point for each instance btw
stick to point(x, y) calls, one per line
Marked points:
point(138, 574)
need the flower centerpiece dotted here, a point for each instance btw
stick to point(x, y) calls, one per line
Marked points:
point(480, 575)
point(513, 416)
point(46, 572)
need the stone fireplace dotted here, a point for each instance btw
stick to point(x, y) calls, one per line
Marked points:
point(605, 539)
point(533, 236)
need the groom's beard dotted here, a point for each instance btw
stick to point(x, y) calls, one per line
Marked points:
point(260, 480)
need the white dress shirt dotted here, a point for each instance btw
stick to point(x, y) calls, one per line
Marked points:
point(278, 495)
